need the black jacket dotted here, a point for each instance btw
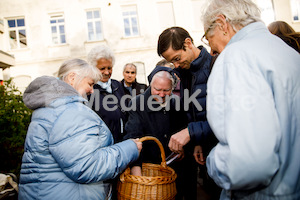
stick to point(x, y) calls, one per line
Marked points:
point(160, 124)
point(110, 117)
point(135, 85)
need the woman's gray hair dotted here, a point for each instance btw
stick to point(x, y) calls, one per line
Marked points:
point(99, 52)
point(239, 13)
point(164, 74)
point(81, 68)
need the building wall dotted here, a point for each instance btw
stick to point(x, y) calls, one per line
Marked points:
point(282, 9)
point(41, 57)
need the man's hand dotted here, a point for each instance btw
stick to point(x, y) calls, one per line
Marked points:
point(136, 171)
point(198, 155)
point(178, 140)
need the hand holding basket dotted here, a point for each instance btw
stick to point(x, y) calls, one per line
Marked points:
point(156, 182)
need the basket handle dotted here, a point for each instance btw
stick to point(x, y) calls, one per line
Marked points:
point(162, 151)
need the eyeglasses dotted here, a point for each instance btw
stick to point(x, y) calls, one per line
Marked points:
point(175, 60)
point(203, 39)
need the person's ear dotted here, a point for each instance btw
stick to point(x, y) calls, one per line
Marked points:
point(71, 78)
point(188, 42)
point(223, 25)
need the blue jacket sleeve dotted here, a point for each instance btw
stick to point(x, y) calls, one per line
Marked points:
point(199, 131)
point(81, 144)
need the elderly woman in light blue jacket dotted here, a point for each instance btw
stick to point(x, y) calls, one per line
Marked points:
point(69, 151)
point(253, 107)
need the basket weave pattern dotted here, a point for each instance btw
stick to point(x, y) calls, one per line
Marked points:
point(156, 183)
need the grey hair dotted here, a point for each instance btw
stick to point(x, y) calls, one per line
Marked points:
point(99, 52)
point(239, 13)
point(80, 67)
point(130, 64)
point(164, 74)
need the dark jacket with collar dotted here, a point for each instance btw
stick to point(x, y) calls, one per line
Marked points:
point(160, 124)
point(135, 85)
point(195, 79)
point(110, 117)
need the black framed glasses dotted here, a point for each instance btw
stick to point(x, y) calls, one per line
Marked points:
point(203, 39)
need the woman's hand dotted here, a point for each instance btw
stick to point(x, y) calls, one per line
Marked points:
point(198, 155)
point(139, 144)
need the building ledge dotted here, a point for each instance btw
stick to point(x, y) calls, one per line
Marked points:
point(6, 60)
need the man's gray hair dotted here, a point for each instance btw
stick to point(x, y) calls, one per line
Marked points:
point(131, 65)
point(239, 13)
point(99, 52)
point(166, 75)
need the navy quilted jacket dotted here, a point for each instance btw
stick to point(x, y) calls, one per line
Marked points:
point(195, 80)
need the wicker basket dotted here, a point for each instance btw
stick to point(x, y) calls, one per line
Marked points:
point(156, 182)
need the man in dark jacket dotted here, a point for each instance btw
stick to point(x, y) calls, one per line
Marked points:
point(153, 114)
point(193, 66)
point(129, 83)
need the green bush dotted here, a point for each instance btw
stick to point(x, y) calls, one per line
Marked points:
point(14, 121)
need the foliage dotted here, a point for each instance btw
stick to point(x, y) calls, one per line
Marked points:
point(14, 120)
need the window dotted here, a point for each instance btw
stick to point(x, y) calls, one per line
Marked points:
point(141, 74)
point(17, 33)
point(94, 25)
point(130, 20)
point(295, 5)
point(57, 23)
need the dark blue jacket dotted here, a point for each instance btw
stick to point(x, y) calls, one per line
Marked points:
point(111, 118)
point(160, 124)
point(195, 79)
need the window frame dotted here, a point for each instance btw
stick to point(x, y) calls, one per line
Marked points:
point(94, 20)
point(130, 17)
point(17, 40)
point(58, 24)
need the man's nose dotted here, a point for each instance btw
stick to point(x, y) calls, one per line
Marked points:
point(161, 94)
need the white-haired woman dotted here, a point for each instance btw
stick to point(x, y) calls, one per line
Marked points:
point(253, 105)
point(69, 151)
point(106, 101)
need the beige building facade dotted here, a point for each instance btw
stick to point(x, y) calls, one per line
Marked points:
point(37, 36)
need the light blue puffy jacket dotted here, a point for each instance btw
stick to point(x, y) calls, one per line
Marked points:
point(69, 151)
point(254, 110)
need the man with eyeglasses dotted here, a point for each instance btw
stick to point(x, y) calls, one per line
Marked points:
point(193, 64)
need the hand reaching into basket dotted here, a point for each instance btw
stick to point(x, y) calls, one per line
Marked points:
point(178, 140)
point(139, 144)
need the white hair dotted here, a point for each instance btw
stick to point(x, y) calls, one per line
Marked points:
point(99, 52)
point(164, 75)
point(81, 68)
point(238, 13)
